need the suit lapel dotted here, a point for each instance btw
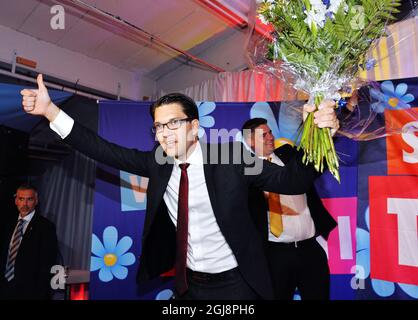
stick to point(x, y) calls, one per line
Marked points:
point(165, 175)
point(156, 194)
point(29, 230)
point(208, 169)
point(10, 229)
point(162, 177)
point(7, 239)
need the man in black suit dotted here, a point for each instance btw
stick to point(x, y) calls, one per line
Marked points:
point(196, 218)
point(289, 224)
point(28, 251)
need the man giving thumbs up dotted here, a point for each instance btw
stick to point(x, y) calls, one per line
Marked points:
point(38, 102)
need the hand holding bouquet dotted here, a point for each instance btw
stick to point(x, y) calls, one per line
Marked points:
point(322, 44)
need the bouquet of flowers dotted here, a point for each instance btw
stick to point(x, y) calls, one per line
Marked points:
point(322, 44)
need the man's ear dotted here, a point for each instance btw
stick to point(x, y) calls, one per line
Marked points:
point(195, 127)
point(247, 139)
point(251, 141)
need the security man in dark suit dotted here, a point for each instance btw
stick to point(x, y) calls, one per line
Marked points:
point(29, 249)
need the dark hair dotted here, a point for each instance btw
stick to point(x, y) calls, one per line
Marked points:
point(252, 124)
point(27, 186)
point(187, 104)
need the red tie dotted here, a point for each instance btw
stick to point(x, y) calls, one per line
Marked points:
point(182, 233)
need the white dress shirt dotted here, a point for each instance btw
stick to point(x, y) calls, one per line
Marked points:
point(208, 250)
point(297, 221)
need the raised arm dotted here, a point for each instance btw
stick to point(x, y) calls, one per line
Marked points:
point(38, 102)
point(294, 178)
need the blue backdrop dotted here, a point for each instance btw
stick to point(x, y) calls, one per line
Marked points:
point(11, 111)
point(120, 200)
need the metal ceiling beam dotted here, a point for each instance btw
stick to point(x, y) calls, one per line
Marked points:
point(233, 17)
point(136, 31)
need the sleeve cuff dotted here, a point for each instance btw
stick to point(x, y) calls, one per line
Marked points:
point(62, 125)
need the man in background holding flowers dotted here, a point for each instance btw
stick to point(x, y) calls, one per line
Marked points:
point(289, 224)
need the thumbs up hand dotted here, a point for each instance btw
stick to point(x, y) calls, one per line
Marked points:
point(38, 102)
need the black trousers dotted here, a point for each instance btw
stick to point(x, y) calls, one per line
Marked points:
point(227, 285)
point(303, 265)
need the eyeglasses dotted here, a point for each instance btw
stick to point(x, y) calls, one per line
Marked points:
point(172, 125)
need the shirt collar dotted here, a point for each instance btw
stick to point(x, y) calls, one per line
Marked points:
point(272, 156)
point(195, 158)
point(28, 217)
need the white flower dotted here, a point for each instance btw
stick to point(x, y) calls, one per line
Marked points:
point(335, 5)
point(316, 16)
point(316, 3)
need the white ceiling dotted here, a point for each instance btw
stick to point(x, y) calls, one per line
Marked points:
point(184, 24)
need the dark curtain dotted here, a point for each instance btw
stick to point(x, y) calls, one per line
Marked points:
point(67, 199)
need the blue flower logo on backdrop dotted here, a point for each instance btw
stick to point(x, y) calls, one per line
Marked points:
point(380, 287)
point(165, 294)
point(205, 119)
point(111, 257)
point(391, 98)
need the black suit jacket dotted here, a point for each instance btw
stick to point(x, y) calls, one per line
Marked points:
point(37, 254)
point(228, 192)
point(324, 222)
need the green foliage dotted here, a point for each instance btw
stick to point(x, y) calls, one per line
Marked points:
point(314, 53)
point(342, 41)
